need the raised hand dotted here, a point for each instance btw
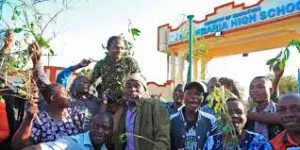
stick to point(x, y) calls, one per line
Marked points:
point(31, 108)
point(277, 71)
point(84, 63)
point(36, 53)
point(8, 41)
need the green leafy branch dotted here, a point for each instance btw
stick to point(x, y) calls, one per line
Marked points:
point(86, 72)
point(283, 56)
point(129, 42)
point(29, 24)
point(217, 101)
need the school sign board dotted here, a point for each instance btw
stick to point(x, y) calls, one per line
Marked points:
point(230, 29)
point(231, 16)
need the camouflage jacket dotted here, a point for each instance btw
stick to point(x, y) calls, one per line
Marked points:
point(114, 75)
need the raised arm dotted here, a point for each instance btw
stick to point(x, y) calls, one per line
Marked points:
point(39, 73)
point(63, 76)
point(22, 137)
point(275, 84)
point(5, 50)
point(265, 117)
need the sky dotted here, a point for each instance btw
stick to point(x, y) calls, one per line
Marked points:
point(89, 23)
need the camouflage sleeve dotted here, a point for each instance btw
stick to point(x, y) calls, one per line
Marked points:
point(96, 71)
point(134, 66)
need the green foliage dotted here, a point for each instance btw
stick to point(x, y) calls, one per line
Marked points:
point(129, 41)
point(217, 101)
point(135, 32)
point(123, 138)
point(283, 57)
point(287, 84)
point(29, 24)
point(86, 72)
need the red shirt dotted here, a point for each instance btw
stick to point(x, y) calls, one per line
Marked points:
point(284, 142)
point(4, 128)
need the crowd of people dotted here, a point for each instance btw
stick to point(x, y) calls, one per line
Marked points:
point(123, 115)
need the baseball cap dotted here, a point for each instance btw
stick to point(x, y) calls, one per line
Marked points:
point(198, 85)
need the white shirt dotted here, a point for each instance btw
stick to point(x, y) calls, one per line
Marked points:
point(260, 127)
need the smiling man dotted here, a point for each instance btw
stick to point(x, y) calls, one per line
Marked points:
point(288, 110)
point(262, 118)
point(247, 139)
point(142, 118)
point(190, 126)
point(99, 134)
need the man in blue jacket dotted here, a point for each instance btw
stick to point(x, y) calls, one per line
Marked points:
point(190, 127)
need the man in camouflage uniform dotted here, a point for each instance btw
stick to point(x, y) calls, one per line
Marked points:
point(114, 70)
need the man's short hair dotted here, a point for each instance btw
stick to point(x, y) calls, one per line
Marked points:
point(105, 114)
point(264, 78)
point(290, 96)
point(49, 90)
point(235, 99)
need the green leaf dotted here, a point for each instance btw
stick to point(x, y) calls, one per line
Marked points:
point(281, 65)
point(226, 129)
point(288, 54)
point(32, 25)
point(18, 30)
point(13, 17)
point(298, 46)
point(42, 42)
point(135, 32)
point(219, 118)
point(271, 61)
point(51, 52)
point(123, 138)
point(17, 12)
point(210, 101)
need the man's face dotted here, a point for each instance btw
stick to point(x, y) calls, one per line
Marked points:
point(192, 99)
point(133, 90)
point(289, 112)
point(83, 86)
point(116, 49)
point(237, 113)
point(259, 91)
point(61, 98)
point(178, 94)
point(213, 82)
point(101, 130)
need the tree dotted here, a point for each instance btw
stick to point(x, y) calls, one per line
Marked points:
point(286, 84)
point(30, 23)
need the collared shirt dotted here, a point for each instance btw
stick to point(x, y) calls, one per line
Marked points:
point(260, 127)
point(284, 141)
point(114, 75)
point(80, 142)
point(252, 141)
point(129, 125)
point(46, 129)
